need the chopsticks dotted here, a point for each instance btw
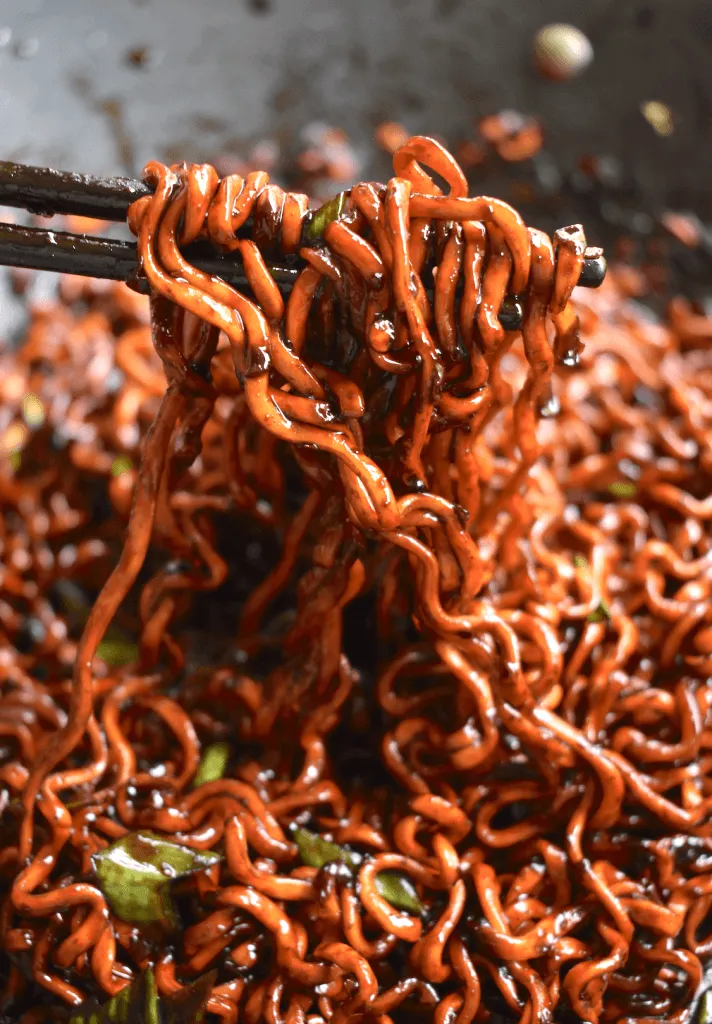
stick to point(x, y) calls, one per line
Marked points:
point(112, 259)
point(46, 192)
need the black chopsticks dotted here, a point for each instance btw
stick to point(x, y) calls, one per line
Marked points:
point(112, 259)
point(46, 192)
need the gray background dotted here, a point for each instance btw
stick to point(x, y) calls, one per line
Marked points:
point(221, 72)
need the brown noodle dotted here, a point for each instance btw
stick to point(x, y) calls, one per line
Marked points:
point(526, 739)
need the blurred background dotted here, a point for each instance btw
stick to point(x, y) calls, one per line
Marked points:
point(101, 86)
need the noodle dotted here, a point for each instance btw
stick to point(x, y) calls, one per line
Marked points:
point(445, 598)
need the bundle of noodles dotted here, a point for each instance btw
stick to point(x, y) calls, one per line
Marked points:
point(417, 612)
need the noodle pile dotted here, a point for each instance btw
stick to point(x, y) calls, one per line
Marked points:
point(443, 588)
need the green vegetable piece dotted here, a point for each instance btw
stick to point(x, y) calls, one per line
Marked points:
point(121, 464)
point(188, 1005)
point(135, 1004)
point(135, 874)
point(139, 1003)
point(601, 614)
point(623, 489)
point(152, 1012)
point(316, 852)
point(115, 651)
point(394, 887)
point(399, 891)
point(324, 216)
point(704, 1011)
point(580, 562)
point(116, 648)
point(213, 762)
point(119, 1007)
